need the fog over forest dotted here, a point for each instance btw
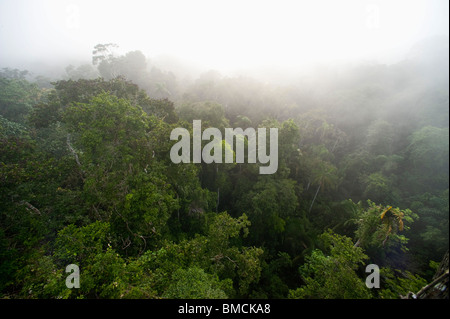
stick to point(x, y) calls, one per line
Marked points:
point(231, 36)
point(92, 91)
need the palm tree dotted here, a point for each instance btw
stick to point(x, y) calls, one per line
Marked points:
point(392, 220)
point(381, 222)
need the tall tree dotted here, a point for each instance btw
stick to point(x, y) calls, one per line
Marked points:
point(331, 273)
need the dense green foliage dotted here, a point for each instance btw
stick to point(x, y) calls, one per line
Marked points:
point(86, 179)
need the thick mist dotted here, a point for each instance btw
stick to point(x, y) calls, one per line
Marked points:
point(252, 37)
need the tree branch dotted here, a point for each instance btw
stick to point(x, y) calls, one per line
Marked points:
point(432, 284)
point(31, 207)
point(426, 288)
point(73, 151)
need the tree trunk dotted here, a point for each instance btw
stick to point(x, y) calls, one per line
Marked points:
point(217, 205)
point(318, 188)
point(438, 288)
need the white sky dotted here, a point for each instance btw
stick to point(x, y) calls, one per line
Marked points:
point(218, 34)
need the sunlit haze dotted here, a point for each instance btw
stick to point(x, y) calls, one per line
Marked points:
point(224, 35)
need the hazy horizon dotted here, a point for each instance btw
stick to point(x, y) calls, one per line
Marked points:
point(226, 36)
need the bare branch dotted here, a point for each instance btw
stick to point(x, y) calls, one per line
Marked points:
point(73, 151)
point(432, 284)
point(31, 207)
